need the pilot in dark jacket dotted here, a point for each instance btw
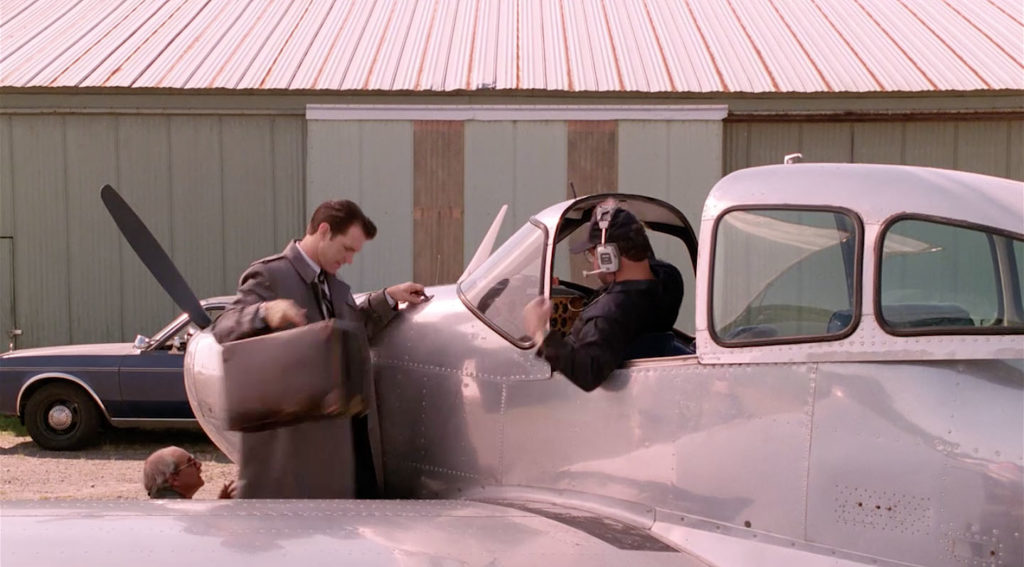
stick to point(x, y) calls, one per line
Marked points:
point(314, 459)
point(640, 299)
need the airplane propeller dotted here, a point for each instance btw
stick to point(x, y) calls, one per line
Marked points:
point(153, 256)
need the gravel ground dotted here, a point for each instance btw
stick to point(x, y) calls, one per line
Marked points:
point(111, 470)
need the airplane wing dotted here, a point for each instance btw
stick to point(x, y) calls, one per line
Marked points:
point(310, 532)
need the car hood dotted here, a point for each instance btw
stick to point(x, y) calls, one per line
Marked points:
point(106, 349)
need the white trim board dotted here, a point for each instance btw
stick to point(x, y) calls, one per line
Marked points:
point(483, 112)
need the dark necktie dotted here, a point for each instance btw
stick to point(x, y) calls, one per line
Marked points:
point(326, 307)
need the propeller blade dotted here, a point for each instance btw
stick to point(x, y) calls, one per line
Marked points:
point(153, 256)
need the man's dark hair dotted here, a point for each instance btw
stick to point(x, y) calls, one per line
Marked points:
point(340, 216)
point(625, 231)
point(633, 243)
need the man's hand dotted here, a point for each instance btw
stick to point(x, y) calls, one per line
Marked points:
point(228, 490)
point(411, 292)
point(283, 313)
point(536, 315)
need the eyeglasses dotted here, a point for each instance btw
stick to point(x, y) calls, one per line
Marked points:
point(190, 462)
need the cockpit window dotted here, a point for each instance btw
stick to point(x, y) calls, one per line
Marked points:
point(783, 276)
point(500, 288)
point(938, 278)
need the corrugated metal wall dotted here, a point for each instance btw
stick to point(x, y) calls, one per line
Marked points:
point(447, 179)
point(369, 162)
point(6, 234)
point(992, 147)
point(221, 191)
point(522, 164)
point(677, 162)
point(217, 191)
point(378, 165)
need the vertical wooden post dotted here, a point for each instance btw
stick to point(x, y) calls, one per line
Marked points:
point(593, 165)
point(438, 203)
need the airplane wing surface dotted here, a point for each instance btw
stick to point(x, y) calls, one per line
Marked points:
point(339, 532)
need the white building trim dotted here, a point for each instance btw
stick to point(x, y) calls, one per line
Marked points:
point(486, 112)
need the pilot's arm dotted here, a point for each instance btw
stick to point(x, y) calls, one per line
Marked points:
point(590, 354)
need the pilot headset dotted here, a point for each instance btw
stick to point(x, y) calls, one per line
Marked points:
point(607, 253)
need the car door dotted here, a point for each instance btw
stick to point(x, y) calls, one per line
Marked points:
point(152, 378)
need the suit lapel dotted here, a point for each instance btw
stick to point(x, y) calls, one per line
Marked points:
point(307, 280)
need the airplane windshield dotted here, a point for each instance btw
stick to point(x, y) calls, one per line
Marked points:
point(501, 287)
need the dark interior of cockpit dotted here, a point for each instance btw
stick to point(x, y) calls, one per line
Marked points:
point(572, 290)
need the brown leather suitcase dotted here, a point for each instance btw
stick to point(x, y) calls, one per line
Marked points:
point(310, 372)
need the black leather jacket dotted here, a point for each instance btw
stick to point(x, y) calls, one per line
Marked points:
point(598, 341)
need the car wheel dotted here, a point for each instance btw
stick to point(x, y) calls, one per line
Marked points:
point(62, 416)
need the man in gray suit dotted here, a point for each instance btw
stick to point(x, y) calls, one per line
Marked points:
point(323, 458)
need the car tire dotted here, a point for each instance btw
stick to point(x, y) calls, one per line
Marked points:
point(62, 416)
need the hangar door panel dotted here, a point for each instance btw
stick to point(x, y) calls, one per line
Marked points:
point(6, 288)
point(369, 162)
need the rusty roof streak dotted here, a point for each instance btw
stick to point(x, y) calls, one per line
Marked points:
point(335, 38)
point(426, 43)
point(27, 5)
point(661, 48)
point(946, 44)
point(899, 46)
point(404, 27)
point(472, 46)
point(846, 40)
point(284, 45)
point(803, 47)
point(753, 44)
point(263, 45)
point(233, 52)
point(519, 52)
point(707, 48)
point(988, 36)
point(626, 46)
point(611, 42)
point(74, 43)
point(81, 55)
point(312, 41)
point(213, 24)
point(37, 33)
point(160, 51)
point(1009, 15)
point(565, 45)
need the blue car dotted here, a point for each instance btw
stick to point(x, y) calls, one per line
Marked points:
point(66, 394)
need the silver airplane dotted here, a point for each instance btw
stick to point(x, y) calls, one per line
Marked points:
point(856, 397)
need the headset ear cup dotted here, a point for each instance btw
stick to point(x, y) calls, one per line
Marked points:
point(607, 257)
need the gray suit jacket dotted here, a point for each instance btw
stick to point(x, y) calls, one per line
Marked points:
point(312, 459)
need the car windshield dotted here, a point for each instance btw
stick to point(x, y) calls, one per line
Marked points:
point(501, 287)
point(181, 328)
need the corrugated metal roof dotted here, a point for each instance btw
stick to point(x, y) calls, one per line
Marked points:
point(646, 46)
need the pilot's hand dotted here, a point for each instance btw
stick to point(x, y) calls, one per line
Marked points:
point(536, 315)
point(410, 292)
point(283, 313)
point(229, 490)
